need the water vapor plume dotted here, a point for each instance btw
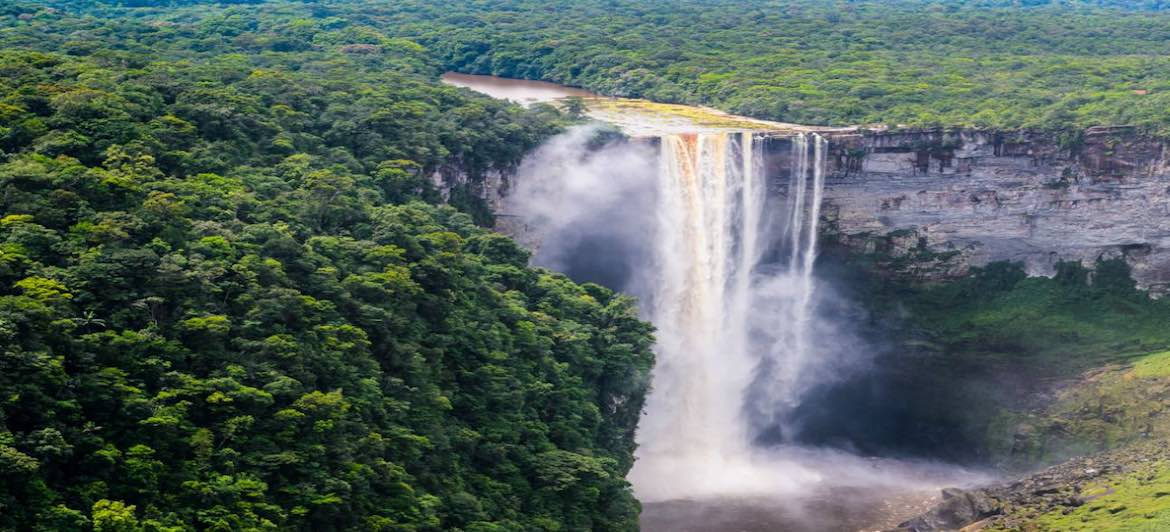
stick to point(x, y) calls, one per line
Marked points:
point(720, 247)
point(585, 198)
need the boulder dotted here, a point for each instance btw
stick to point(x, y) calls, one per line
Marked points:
point(958, 509)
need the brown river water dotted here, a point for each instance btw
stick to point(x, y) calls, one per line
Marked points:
point(521, 91)
point(847, 492)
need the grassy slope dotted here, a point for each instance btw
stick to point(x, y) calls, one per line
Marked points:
point(1134, 501)
point(1108, 408)
point(1124, 407)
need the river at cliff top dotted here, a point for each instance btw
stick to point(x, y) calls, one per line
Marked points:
point(635, 117)
point(756, 488)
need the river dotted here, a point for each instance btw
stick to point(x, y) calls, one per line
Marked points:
point(637, 118)
point(521, 91)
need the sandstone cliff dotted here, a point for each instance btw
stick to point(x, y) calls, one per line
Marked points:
point(930, 204)
point(949, 200)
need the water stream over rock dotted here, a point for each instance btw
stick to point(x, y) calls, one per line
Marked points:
point(721, 250)
point(726, 325)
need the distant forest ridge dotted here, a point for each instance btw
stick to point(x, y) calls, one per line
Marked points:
point(994, 64)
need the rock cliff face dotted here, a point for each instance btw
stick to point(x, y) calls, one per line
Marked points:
point(937, 202)
point(933, 203)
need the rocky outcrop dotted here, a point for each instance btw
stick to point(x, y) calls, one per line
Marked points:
point(945, 200)
point(931, 204)
point(491, 185)
point(958, 509)
point(1094, 482)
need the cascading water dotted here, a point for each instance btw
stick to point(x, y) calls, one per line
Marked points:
point(716, 234)
point(724, 324)
point(791, 348)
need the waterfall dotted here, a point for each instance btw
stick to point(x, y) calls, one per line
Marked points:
point(716, 234)
point(726, 325)
point(791, 346)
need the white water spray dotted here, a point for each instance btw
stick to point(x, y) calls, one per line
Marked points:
point(719, 247)
point(723, 325)
point(791, 350)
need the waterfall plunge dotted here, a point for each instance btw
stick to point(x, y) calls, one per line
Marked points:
point(721, 259)
point(733, 333)
point(724, 270)
point(791, 345)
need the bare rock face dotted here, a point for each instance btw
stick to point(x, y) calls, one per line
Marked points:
point(933, 203)
point(949, 200)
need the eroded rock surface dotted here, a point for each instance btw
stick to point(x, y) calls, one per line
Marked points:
point(946, 201)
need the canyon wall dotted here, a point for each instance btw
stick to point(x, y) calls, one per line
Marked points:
point(933, 203)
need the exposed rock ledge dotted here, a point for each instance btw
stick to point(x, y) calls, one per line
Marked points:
point(1091, 482)
point(954, 199)
point(934, 203)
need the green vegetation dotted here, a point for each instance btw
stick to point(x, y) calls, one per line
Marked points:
point(228, 300)
point(1046, 64)
point(1073, 321)
point(987, 63)
point(1104, 409)
point(1132, 502)
point(1079, 319)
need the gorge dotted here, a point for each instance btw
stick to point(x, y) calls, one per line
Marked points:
point(732, 219)
point(721, 254)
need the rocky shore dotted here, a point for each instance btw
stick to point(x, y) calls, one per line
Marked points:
point(1116, 489)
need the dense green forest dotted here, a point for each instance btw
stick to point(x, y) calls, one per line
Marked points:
point(1046, 64)
point(1001, 64)
point(229, 299)
point(244, 279)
